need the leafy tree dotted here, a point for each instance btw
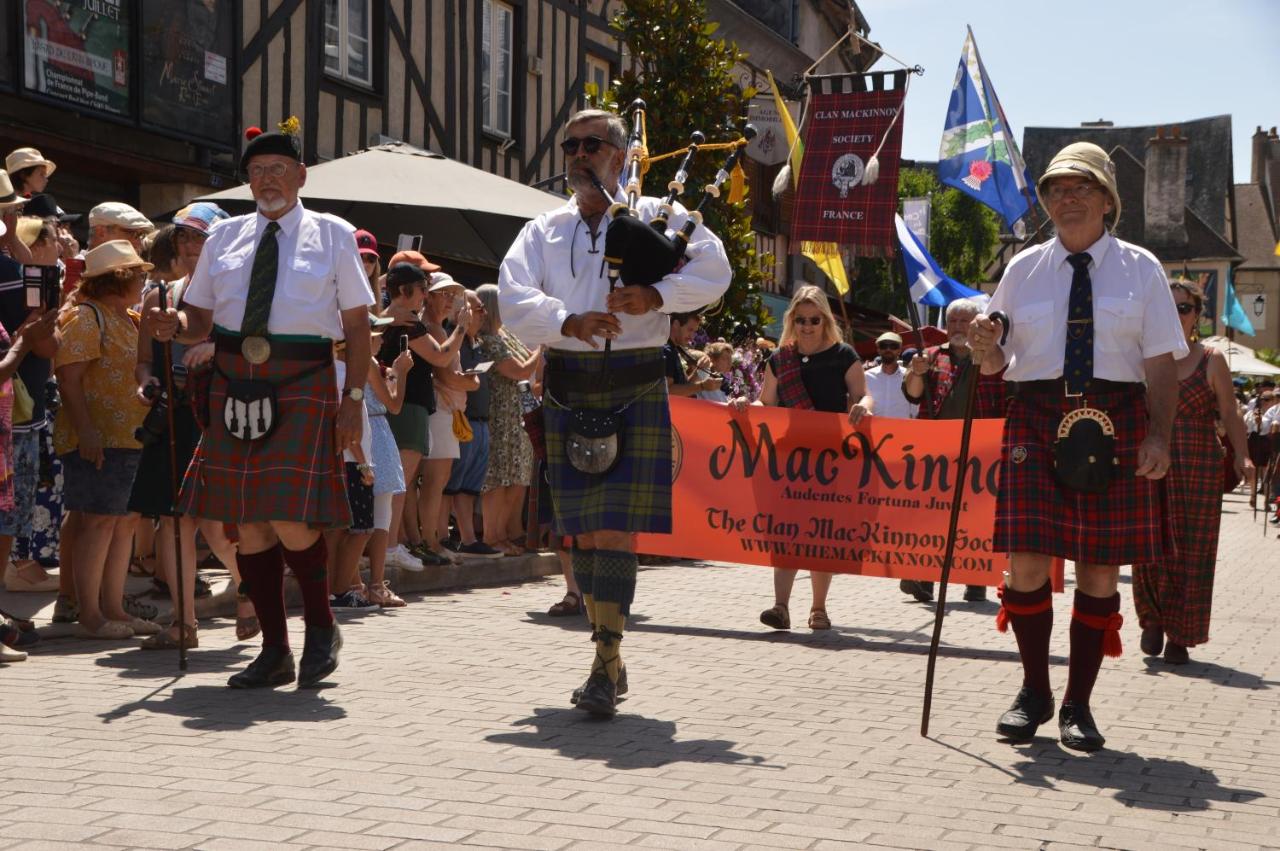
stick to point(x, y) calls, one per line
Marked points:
point(685, 76)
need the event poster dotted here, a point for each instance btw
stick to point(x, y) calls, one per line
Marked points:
point(851, 119)
point(78, 52)
point(804, 489)
point(186, 74)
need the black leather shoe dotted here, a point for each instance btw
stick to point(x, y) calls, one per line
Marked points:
point(1028, 712)
point(599, 697)
point(1152, 641)
point(1077, 728)
point(922, 591)
point(975, 593)
point(1175, 654)
point(319, 654)
point(619, 689)
point(273, 667)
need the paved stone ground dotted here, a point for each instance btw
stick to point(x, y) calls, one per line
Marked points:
point(448, 726)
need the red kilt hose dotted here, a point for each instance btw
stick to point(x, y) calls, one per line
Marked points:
point(294, 474)
point(1035, 514)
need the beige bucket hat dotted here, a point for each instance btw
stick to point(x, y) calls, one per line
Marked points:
point(26, 158)
point(113, 255)
point(1084, 159)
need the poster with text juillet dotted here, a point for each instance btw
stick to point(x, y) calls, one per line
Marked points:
point(79, 52)
point(802, 489)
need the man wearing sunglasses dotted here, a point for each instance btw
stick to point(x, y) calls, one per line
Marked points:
point(554, 291)
point(884, 380)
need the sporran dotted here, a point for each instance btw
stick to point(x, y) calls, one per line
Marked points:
point(1084, 455)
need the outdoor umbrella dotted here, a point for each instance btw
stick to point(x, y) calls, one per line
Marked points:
point(462, 213)
point(1241, 359)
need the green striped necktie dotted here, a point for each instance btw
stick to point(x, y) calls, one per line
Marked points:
point(262, 284)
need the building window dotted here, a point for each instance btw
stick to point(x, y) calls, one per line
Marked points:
point(496, 54)
point(347, 40)
point(597, 75)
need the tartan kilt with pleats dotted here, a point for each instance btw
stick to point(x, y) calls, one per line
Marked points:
point(1035, 514)
point(294, 474)
point(636, 495)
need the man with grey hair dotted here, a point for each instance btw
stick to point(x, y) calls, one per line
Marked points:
point(938, 380)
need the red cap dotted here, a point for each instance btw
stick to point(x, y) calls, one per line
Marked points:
point(416, 258)
point(367, 243)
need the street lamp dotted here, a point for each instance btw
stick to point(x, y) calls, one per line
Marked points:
point(1259, 305)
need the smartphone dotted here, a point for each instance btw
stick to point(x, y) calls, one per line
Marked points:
point(404, 344)
point(42, 286)
point(479, 369)
point(409, 242)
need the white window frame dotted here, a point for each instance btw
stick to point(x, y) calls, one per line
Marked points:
point(599, 71)
point(493, 13)
point(339, 66)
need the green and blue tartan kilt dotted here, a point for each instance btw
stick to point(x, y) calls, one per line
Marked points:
point(294, 474)
point(636, 495)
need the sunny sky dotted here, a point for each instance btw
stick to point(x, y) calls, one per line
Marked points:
point(1134, 62)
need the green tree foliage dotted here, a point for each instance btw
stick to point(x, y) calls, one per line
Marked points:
point(684, 73)
point(963, 236)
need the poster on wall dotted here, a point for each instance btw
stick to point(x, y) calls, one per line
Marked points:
point(78, 52)
point(186, 75)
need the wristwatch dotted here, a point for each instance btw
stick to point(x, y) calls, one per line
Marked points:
point(355, 394)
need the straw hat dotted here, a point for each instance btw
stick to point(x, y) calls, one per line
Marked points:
point(8, 198)
point(113, 255)
point(26, 158)
point(1084, 159)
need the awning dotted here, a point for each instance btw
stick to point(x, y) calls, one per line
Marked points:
point(1240, 359)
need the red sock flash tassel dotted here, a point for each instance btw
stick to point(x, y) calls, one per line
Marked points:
point(1007, 609)
point(1110, 627)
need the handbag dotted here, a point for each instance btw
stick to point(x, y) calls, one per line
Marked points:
point(594, 442)
point(462, 428)
point(1084, 455)
point(24, 407)
point(1230, 481)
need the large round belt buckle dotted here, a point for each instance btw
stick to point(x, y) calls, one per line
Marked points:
point(256, 350)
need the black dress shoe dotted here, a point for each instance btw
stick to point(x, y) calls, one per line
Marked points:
point(319, 654)
point(273, 667)
point(1028, 712)
point(975, 593)
point(922, 591)
point(599, 696)
point(1176, 654)
point(619, 689)
point(1077, 728)
point(1152, 641)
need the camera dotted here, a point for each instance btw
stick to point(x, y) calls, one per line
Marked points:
point(155, 425)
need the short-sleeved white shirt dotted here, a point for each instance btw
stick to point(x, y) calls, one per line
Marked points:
point(1271, 419)
point(319, 273)
point(886, 391)
point(1134, 316)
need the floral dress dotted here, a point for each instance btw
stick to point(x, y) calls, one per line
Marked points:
point(510, 452)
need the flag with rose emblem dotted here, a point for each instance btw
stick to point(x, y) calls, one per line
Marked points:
point(979, 155)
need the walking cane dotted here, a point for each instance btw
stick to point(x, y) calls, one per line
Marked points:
point(166, 366)
point(971, 393)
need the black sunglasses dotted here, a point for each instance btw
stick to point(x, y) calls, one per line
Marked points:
point(888, 345)
point(812, 320)
point(590, 144)
point(1186, 307)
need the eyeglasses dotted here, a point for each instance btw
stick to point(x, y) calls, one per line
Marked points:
point(1186, 307)
point(888, 345)
point(1080, 191)
point(807, 320)
point(590, 144)
point(277, 170)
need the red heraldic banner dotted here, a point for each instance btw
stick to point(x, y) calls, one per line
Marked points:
point(848, 117)
point(803, 489)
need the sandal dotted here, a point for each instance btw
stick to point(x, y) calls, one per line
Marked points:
point(139, 609)
point(778, 617)
point(166, 640)
point(247, 626)
point(818, 619)
point(570, 605)
point(138, 567)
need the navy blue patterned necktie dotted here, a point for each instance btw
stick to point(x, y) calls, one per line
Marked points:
point(1077, 363)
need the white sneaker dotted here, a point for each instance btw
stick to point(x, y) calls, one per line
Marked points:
point(400, 557)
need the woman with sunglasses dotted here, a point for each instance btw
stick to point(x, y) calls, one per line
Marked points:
point(811, 369)
point(1173, 597)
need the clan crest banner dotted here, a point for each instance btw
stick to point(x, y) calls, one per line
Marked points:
point(854, 120)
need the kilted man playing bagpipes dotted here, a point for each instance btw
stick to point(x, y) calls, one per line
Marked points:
point(608, 427)
point(277, 287)
point(1085, 440)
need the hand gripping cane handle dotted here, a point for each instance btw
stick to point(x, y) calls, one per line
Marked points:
point(957, 499)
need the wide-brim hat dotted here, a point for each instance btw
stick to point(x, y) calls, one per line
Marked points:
point(1084, 159)
point(8, 198)
point(29, 229)
point(441, 281)
point(26, 158)
point(112, 255)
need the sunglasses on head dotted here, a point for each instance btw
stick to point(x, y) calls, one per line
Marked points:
point(590, 144)
point(807, 320)
point(1186, 307)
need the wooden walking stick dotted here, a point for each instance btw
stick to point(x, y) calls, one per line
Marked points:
point(957, 498)
point(166, 366)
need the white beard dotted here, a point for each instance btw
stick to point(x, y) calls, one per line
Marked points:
point(272, 206)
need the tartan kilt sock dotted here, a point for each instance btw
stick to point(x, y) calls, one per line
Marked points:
point(262, 580)
point(1030, 613)
point(1087, 642)
point(310, 568)
point(614, 587)
point(583, 563)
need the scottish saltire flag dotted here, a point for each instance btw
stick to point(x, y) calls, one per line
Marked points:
point(1233, 315)
point(979, 155)
point(929, 284)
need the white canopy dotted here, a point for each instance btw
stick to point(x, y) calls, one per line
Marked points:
point(1241, 358)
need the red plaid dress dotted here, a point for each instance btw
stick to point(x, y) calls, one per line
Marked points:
point(1177, 592)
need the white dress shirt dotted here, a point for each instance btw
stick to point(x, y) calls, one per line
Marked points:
point(319, 273)
point(552, 271)
point(1271, 420)
point(1134, 316)
point(886, 390)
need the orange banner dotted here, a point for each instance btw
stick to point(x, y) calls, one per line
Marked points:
point(802, 489)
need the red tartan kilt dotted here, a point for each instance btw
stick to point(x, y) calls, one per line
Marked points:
point(1035, 514)
point(295, 474)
